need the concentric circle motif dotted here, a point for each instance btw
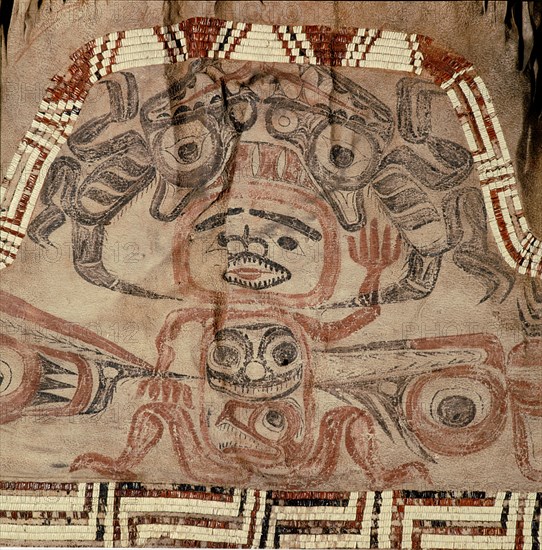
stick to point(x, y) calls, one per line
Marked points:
point(457, 412)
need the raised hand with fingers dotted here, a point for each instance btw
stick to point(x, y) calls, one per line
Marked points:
point(374, 253)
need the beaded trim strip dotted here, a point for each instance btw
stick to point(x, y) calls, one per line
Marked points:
point(217, 39)
point(136, 514)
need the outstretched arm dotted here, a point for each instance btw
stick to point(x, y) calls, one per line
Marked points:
point(374, 254)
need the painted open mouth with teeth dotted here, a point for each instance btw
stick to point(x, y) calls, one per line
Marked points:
point(251, 270)
point(237, 441)
point(268, 388)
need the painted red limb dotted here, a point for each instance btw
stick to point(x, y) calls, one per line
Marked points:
point(164, 389)
point(374, 254)
point(16, 307)
point(146, 431)
point(337, 330)
point(523, 445)
point(360, 440)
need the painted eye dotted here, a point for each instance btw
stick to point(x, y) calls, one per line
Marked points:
point(340, 156)
point(242, 114)
point(456, 411)
point(13, 370)
point(274, 421)
point(284, 121)
point(271, 423)
point(5, 376)
point(287, 243)
point(285, 354)
point(221, 239)
point(189, 149)
point(188, 152)
point(226, 356)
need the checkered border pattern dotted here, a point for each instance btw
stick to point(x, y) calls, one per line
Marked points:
point(218, 39)
point(137, 514)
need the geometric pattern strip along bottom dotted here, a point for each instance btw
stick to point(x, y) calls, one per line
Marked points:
point(136, 514)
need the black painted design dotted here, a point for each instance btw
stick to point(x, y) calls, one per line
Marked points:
point(466, 220)
point(217, 220)
point(288, 221)
point(530, 308)
point(342, 142)
point(376, 376)
point(255, 362)
point(96, 187)
point(192, 135)
point(456, 411)
point(188, 139)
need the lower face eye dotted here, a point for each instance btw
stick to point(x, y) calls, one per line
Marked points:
point(274, 420)
point(226, 356)
point(285, 354)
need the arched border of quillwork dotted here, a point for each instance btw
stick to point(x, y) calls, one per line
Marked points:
point(218, 39)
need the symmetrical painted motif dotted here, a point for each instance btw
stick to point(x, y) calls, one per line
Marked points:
point(216, 39)
point(269, 406)
point(135, 514)
point(298, 210)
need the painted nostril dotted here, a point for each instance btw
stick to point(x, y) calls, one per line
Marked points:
point(255, 370)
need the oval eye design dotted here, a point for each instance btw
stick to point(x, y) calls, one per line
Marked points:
point(226, 356)
point(188, 152)
point(5, 376)
point(285, 353)
point(274, 420)
point(456, 411)
point(343, 153)
point(288, 243)
point(242, 114)
point(341, 157)
point(284, 120)
point(188, 149)
point(272, 423)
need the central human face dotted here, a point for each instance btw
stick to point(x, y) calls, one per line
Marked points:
point(256, 246)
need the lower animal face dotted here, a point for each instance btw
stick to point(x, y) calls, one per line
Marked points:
point(254, 402)
point(264, 434)
point(258, 363)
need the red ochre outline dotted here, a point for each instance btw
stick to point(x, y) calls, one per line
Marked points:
point(281, 194)
point(219, 39)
